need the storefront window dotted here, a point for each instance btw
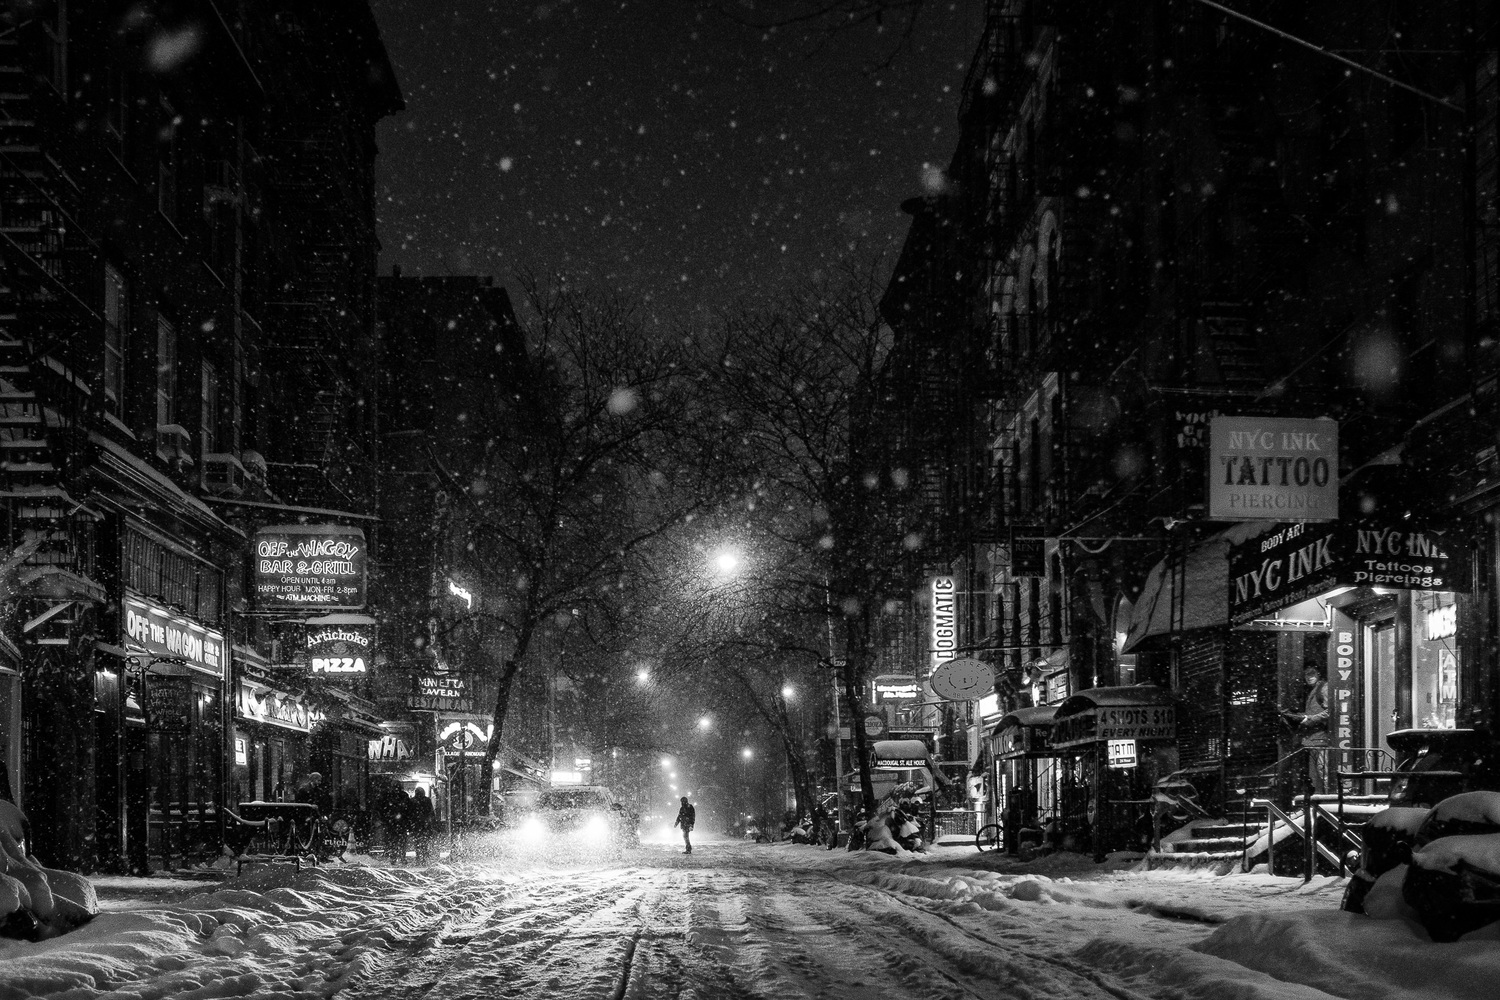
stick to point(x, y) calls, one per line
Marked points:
point(1434, 673)
point(10, 735)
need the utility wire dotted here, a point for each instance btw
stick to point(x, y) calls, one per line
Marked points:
point(1286, 36)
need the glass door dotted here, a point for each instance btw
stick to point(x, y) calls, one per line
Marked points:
point(1381, 710)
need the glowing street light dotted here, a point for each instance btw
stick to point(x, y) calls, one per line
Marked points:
point(642, 676)
point(788, 692)
point(747, 753)
point(704, 722)
point(726, 562)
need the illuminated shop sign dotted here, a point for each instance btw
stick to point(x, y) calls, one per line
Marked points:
point(1273, 469)
point(157, 630)
point(391, 748)
point(462, 594)
point(1442, 623)
point(1131, 722)
point(275, 708)
point(1300, 561)
point(944, 621)
point(1341, 682)
point(1121, 753)
point(302, 567)
point(339, 647)
point(892, 687)
point(441, 693)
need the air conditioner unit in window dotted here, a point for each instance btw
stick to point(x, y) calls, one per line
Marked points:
point(223, 475)
point(174, 444)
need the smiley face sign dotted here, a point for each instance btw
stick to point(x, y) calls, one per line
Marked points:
point(963, 679)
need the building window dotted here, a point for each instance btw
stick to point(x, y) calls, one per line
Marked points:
point(237, 397)
point(117, 119)
point(167, 165)
point(209, 417)
point(116, 300)
point(56, 30)
point(166, 372)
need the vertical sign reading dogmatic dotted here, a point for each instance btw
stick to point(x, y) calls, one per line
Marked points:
point(944, 621)
point(1273, 469)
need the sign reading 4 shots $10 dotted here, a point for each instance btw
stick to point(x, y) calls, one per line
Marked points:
point(300, 567)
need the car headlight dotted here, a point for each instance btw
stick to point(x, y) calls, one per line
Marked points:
point(596, 829)
point(532, 831)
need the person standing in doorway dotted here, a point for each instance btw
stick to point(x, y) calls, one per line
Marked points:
point(686, 817)
point(1312, 728)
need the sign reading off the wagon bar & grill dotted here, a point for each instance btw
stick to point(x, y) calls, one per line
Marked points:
point(308, 566)
point(1273, 469)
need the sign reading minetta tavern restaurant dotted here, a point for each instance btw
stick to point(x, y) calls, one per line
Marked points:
point(1273, 469)
point(1297, 562)
point(300, 567)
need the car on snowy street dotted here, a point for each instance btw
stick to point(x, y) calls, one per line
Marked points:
point(569, 818)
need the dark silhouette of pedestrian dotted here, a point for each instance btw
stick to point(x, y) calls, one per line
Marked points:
point(686, 817)
point(421, 825)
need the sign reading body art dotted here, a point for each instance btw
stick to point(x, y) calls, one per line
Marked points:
point(298, 567)
point(944, 621)
point(1273, 469)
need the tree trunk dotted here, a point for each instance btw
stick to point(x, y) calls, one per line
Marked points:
point(853, 674)
point(497, 721)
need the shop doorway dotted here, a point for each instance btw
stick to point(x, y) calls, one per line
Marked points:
point(1382, 709)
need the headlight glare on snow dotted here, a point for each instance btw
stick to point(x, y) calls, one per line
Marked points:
point(533, 831)
point(596, 830)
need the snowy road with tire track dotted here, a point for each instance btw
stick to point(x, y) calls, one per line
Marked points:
point(730, 921)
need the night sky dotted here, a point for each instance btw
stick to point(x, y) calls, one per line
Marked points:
point(656, 146)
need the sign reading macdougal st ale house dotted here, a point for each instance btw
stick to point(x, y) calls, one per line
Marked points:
point(302, 567)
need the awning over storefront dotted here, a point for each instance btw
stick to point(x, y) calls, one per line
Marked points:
point(1187, 590)
point(1138, 712)
point(1024, 732)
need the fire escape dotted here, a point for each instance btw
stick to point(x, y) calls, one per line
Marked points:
point(44, 407)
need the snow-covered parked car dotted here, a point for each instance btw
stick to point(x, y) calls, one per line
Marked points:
point(1454, 880)
point(1436, 764)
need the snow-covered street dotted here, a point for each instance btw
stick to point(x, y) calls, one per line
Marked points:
point(740, 920)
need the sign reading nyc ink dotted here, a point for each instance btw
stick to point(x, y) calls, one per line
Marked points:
point(1273, 469)
point(301, 567)
point(1300, 561)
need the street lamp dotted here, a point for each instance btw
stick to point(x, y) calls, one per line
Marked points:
point(788, 692)
point(642, 676)
point(704, 722)
point(745, 756)
point(726, 562)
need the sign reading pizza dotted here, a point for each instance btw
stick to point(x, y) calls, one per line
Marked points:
point(336, 646)
point(306, 567)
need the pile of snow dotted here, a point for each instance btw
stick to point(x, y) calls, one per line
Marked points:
point(35, 901)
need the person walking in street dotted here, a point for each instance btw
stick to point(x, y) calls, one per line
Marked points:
point(686, 816)
point(1312, 727)
point(421, 825)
